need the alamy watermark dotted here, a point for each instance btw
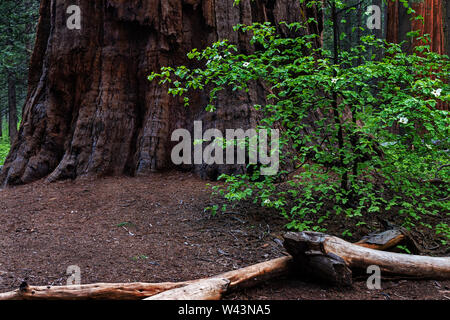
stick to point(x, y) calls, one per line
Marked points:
point(374, 281)
point(74, 20)
point(235, 146)
point(374, 19)
point(74, 273)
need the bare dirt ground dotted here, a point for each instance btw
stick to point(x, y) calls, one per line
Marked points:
point(153, 229)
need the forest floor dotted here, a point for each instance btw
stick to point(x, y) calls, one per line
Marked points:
point(153, 229)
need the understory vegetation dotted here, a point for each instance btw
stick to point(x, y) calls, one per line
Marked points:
point(4, 146)
point(379, 143)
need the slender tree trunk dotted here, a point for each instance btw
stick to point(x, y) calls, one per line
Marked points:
point(398, 24)
point(446, 4)
point(336, 114)
point(359, 13)
point(379, 33)
point(90, 109)
point(12, 106)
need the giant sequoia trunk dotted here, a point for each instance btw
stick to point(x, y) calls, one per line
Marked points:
point(435, 23)
point(435, 15)
point(446, 4)
point(90, 109)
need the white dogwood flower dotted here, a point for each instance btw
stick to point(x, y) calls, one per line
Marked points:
point(334, 80)
point(437, 92)
point(403, 120)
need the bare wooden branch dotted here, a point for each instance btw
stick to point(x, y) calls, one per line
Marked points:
point(209, 289)
point(245, 277)
point(98, 291)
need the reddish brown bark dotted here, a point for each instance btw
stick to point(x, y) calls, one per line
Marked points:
point(433, 23)
point(446, 4)
point(90, 109)
point(436, 15)
point(399, 23)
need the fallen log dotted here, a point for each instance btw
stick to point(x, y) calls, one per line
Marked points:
point(255, 274)
point(328, 257)
point(331, 267)
point(209, 289)
point(98, 291)
point(306, 247)
point(241, 278)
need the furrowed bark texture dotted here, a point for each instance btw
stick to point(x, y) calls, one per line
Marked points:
point(433, 13)
point(90, 109)
point(446, 4)
point(435, 21)
point(398, 24)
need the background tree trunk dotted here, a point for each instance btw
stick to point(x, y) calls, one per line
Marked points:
point(433, 13)
point(446, 4)
point(12, 106)
point(90, 109)
point(398, 24)
point(436, 15)
point(380, 33)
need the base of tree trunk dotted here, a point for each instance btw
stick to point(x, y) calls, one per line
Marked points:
point(90, 109)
